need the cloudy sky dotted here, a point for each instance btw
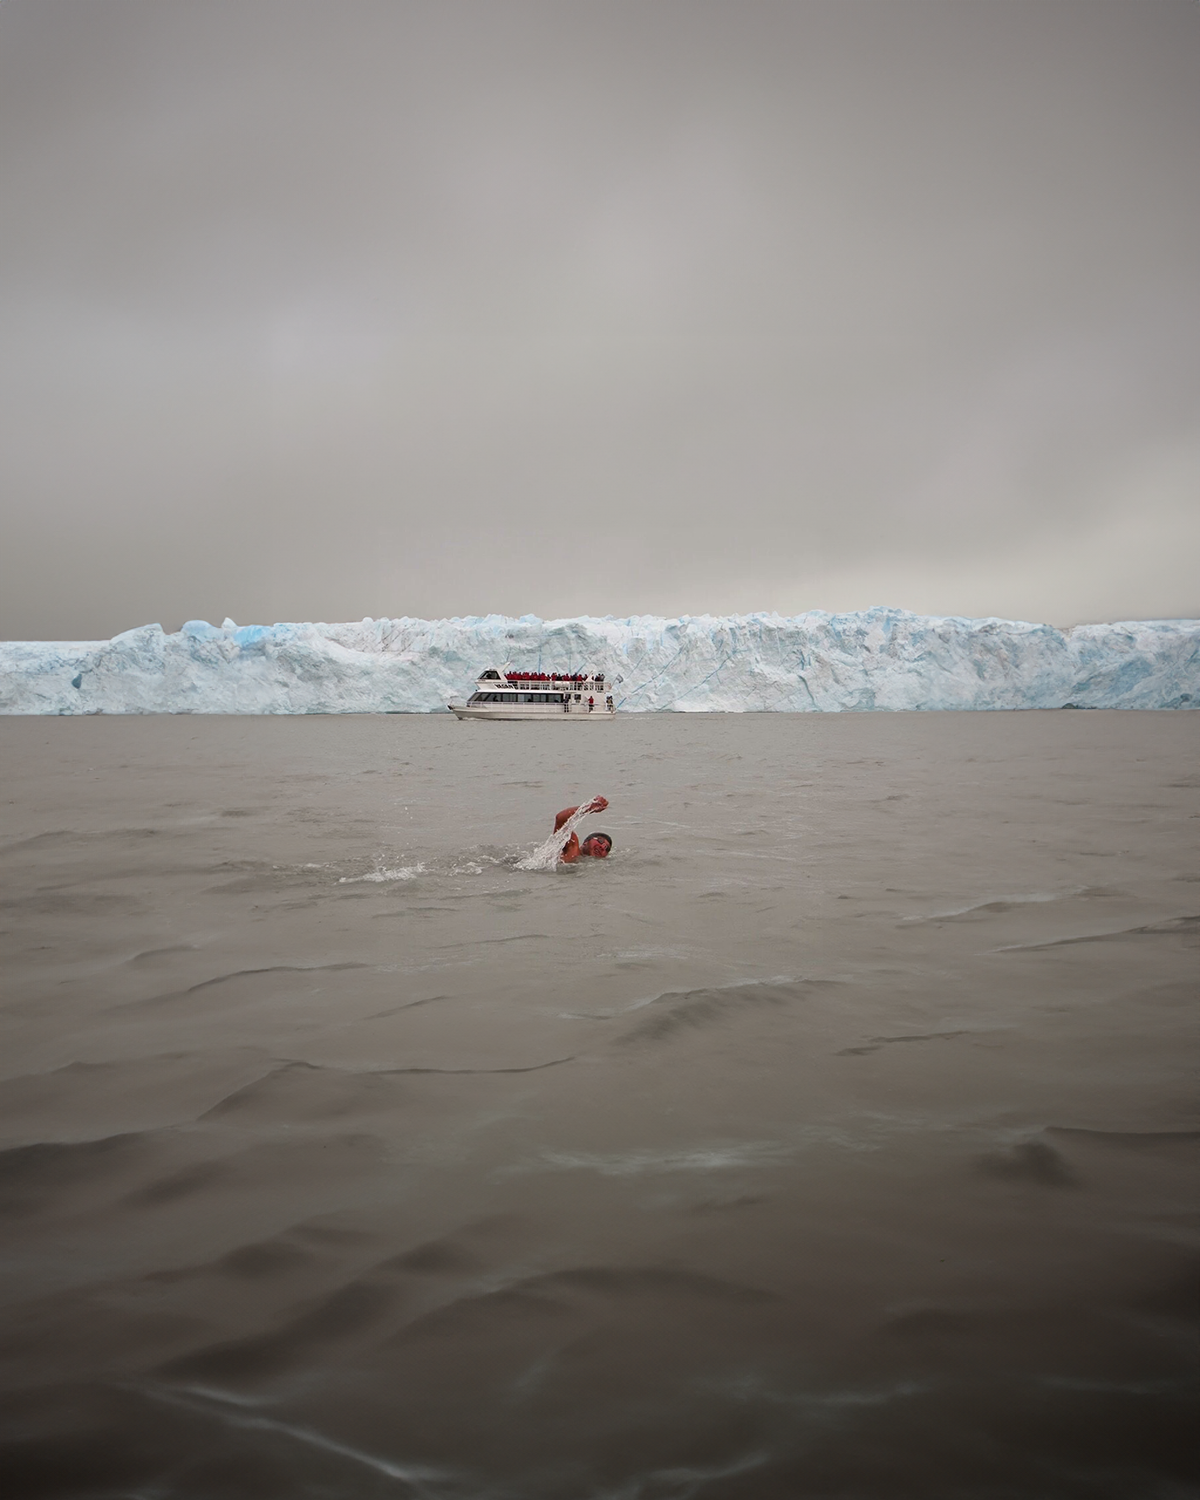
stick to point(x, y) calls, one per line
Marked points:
point(433, 307)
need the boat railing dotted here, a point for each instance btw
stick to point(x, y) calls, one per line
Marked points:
point(551, 681)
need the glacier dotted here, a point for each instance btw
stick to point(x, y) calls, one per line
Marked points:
point(875, 659)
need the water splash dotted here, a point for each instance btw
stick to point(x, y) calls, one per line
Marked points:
point(381, 876)
point(545, 856)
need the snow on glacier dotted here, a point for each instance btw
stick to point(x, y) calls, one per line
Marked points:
point(876, 659)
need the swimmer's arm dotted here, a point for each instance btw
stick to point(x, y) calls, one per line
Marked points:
point(597, 804)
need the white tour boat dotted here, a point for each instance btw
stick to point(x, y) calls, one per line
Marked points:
point(539, 695)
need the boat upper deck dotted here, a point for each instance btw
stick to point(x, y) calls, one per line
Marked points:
point(578, 682)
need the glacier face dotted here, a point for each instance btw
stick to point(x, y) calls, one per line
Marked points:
point(876, 659)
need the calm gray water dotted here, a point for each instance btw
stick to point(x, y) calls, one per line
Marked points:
point(835, 1138)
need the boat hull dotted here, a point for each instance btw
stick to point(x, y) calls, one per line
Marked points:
point(549, 712)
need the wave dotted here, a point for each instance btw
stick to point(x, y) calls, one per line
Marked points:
point(1001, 904)
point(384, 875)
point(233, 1412)
point(714, 1158)
point(170, 996)
point(1185, 927)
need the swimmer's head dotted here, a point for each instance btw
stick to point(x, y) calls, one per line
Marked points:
point(597, 845)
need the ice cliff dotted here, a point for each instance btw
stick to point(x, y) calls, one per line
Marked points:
point(877, 659)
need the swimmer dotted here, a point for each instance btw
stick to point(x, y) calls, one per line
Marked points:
point(595, 846)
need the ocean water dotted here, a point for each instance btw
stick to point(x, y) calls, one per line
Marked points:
point(836, 1137)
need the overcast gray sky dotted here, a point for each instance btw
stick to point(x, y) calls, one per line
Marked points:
point(385, 307)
